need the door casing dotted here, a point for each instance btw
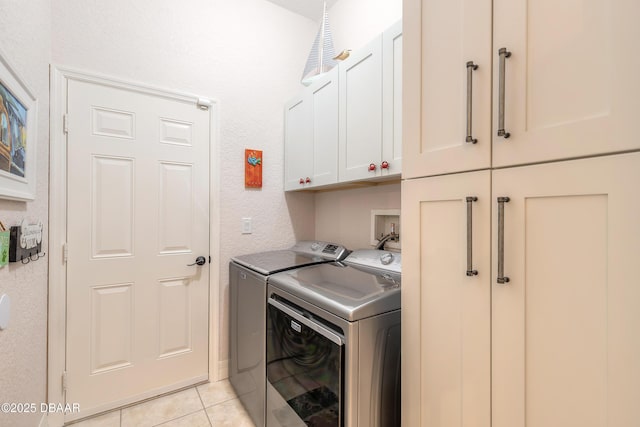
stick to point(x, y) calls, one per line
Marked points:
point(59, 76)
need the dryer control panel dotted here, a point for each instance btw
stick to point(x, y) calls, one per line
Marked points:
point(325, 250)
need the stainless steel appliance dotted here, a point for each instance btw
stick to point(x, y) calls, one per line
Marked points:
point(333, 343)
point(248, 275)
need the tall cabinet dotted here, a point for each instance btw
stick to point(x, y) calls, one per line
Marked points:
point(565, 340)
point(521, 305)
point(446, 313)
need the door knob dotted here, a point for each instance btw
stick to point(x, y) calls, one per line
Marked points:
point(384, 165)
point(372, 167)
point(199, 261)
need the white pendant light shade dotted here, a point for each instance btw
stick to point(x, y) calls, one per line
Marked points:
point(320, 58)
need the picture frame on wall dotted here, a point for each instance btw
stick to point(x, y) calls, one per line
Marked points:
point(18, 135)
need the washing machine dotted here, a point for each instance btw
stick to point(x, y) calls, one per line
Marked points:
point(248, 277)
point(333, 343)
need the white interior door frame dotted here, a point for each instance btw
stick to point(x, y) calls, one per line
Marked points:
point(59, 79)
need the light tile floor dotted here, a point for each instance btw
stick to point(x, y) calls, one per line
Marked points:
point(207, 405)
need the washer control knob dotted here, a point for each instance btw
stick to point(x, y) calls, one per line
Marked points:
point(315, 246)
point(386, 259)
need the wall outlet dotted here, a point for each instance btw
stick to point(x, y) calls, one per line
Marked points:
point(246, 226)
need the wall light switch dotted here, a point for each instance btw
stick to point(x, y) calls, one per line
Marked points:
point(246, 226)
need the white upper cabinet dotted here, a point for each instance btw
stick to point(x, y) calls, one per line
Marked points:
point(324, 119)
point(347, 126)
point(566, 85)
point(571, 81)
point(311, 135)
point(447, 103)
point(392, 100)
point(360, 140)
point(371, 109)
point(298, 142)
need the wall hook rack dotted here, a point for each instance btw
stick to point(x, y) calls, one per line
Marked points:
point(32, 257)
point(26, 242)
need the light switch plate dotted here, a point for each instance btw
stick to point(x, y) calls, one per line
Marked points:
point(5, 311)
point(246, 226)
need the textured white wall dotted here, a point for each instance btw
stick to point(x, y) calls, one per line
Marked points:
point(344, 216)
point(248, 54)
point(25, 29)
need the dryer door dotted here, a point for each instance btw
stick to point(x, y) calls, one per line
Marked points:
point(305, 365)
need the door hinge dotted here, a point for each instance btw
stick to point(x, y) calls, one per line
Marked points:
point(65, 252)
point(64, 381)
point(65, 123)
point(204, 104)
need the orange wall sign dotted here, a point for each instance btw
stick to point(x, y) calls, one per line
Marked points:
point(253, 168)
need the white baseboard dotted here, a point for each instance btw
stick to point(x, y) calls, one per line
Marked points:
point(43, 421)
point(223, 369)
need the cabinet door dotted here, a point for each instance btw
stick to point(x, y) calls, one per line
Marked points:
point(565, 343)
point(298, 149)
point(361, 112)
point(445, 312)
point(324, 99)
point(440, 37)
point(571, 82)
point(392, 100)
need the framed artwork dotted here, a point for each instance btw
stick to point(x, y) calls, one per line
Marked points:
point(18, 123)
point(253, 168)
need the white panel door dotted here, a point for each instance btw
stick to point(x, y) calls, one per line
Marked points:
point(138, 213)
point(571, 82)
point(324, 120)
point(361, 113)
point(441, 37)
point(392, 100)
point(446, 301)
point(565, 343)
point(298, 143)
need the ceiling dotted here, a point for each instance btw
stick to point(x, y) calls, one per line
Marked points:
point(312, 9)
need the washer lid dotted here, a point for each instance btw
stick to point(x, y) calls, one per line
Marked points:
point(344, 291)
point(301, 254)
